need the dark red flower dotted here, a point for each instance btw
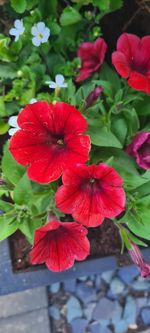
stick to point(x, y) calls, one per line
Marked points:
point(91, 193)
point(59, 244)
point(93, 96)
point(50, 139)
point(139, 149)
point(132, 60)
point(91, 55)
point(138, 260)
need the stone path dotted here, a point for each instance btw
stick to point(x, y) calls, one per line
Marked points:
point(115, 302)
point(25, 312)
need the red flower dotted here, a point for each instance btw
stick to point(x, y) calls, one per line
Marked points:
point(50, 140)
point(138, 260)
point(91, 55)
point(132, 60)
point(91, 193)
point(139, 149)
point(59, 245)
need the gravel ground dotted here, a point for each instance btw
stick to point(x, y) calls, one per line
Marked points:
point(117, 301)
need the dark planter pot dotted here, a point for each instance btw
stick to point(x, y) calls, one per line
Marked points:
point(12, 282)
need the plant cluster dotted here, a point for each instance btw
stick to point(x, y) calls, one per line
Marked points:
point(76, 117)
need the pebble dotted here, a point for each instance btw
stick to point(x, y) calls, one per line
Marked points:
point(116, 286)
point(74, 309)
point(141, 285)
point(130, 311)
point(82, 278)
point(86, 293)
point(128, 274)
point(117, 314)
point(103, 311)
point(121, 326)
point(145, 314)
point(69, 286)
point(54, 312)
point(88, 311)
point(107, 276)
point(79, 325)
point(98, 282)
point(96, 327)
point(54, 288)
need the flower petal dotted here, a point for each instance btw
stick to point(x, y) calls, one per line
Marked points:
point(59, 245)
point(34, 30)
point(13, 121)
point(41, 27)
point(36, 41)
point(121, 64)
point(13, 32)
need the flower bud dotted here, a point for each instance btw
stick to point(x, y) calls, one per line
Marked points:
point(93, 96)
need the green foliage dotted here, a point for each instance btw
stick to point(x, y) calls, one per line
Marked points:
point(19, 6)
point(108, 5)
point(12, 171)
point(70, 16)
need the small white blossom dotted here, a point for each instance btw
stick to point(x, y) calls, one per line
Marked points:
point(58, 83)
point(13, 123)
point(17, 30)
point(33, 100)
point(41, 33)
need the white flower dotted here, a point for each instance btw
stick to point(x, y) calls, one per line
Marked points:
point(13, 123)
point(17, 30)
point(41, 33)
point(58, 83)
point(33, 100)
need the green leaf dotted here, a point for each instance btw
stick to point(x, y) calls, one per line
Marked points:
point(102, 4)
point(23, 193)
point(137, 218)
point(3, 127)
point(8, 71)
point(70, 16)
point(143, 106)
point(119, 128)
point(2, 108)
point(5, 206)
point(10, 168)
point(19, 5)
point(28, 227)
point(7, 226)
point(101, 136)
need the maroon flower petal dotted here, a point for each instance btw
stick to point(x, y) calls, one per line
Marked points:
point(92, 56)
point(59, 245)
point(139, 149)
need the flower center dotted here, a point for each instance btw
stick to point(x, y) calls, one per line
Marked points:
point(60, 142)
point(40, 36)
point(92, 180)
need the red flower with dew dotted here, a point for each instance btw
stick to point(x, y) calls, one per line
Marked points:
point(49, 140)
point(91, 193)
point(139, 149)
point(138, 260)
point(59, 244)
point(92, 55)
point(132, 61)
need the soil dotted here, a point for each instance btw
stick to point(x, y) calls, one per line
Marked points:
point(104, 240)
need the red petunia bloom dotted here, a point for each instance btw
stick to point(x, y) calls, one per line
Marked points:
point(91, 193)
point(92, 55)
point(132, 61)
point(59, 244)
point(49, 140)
